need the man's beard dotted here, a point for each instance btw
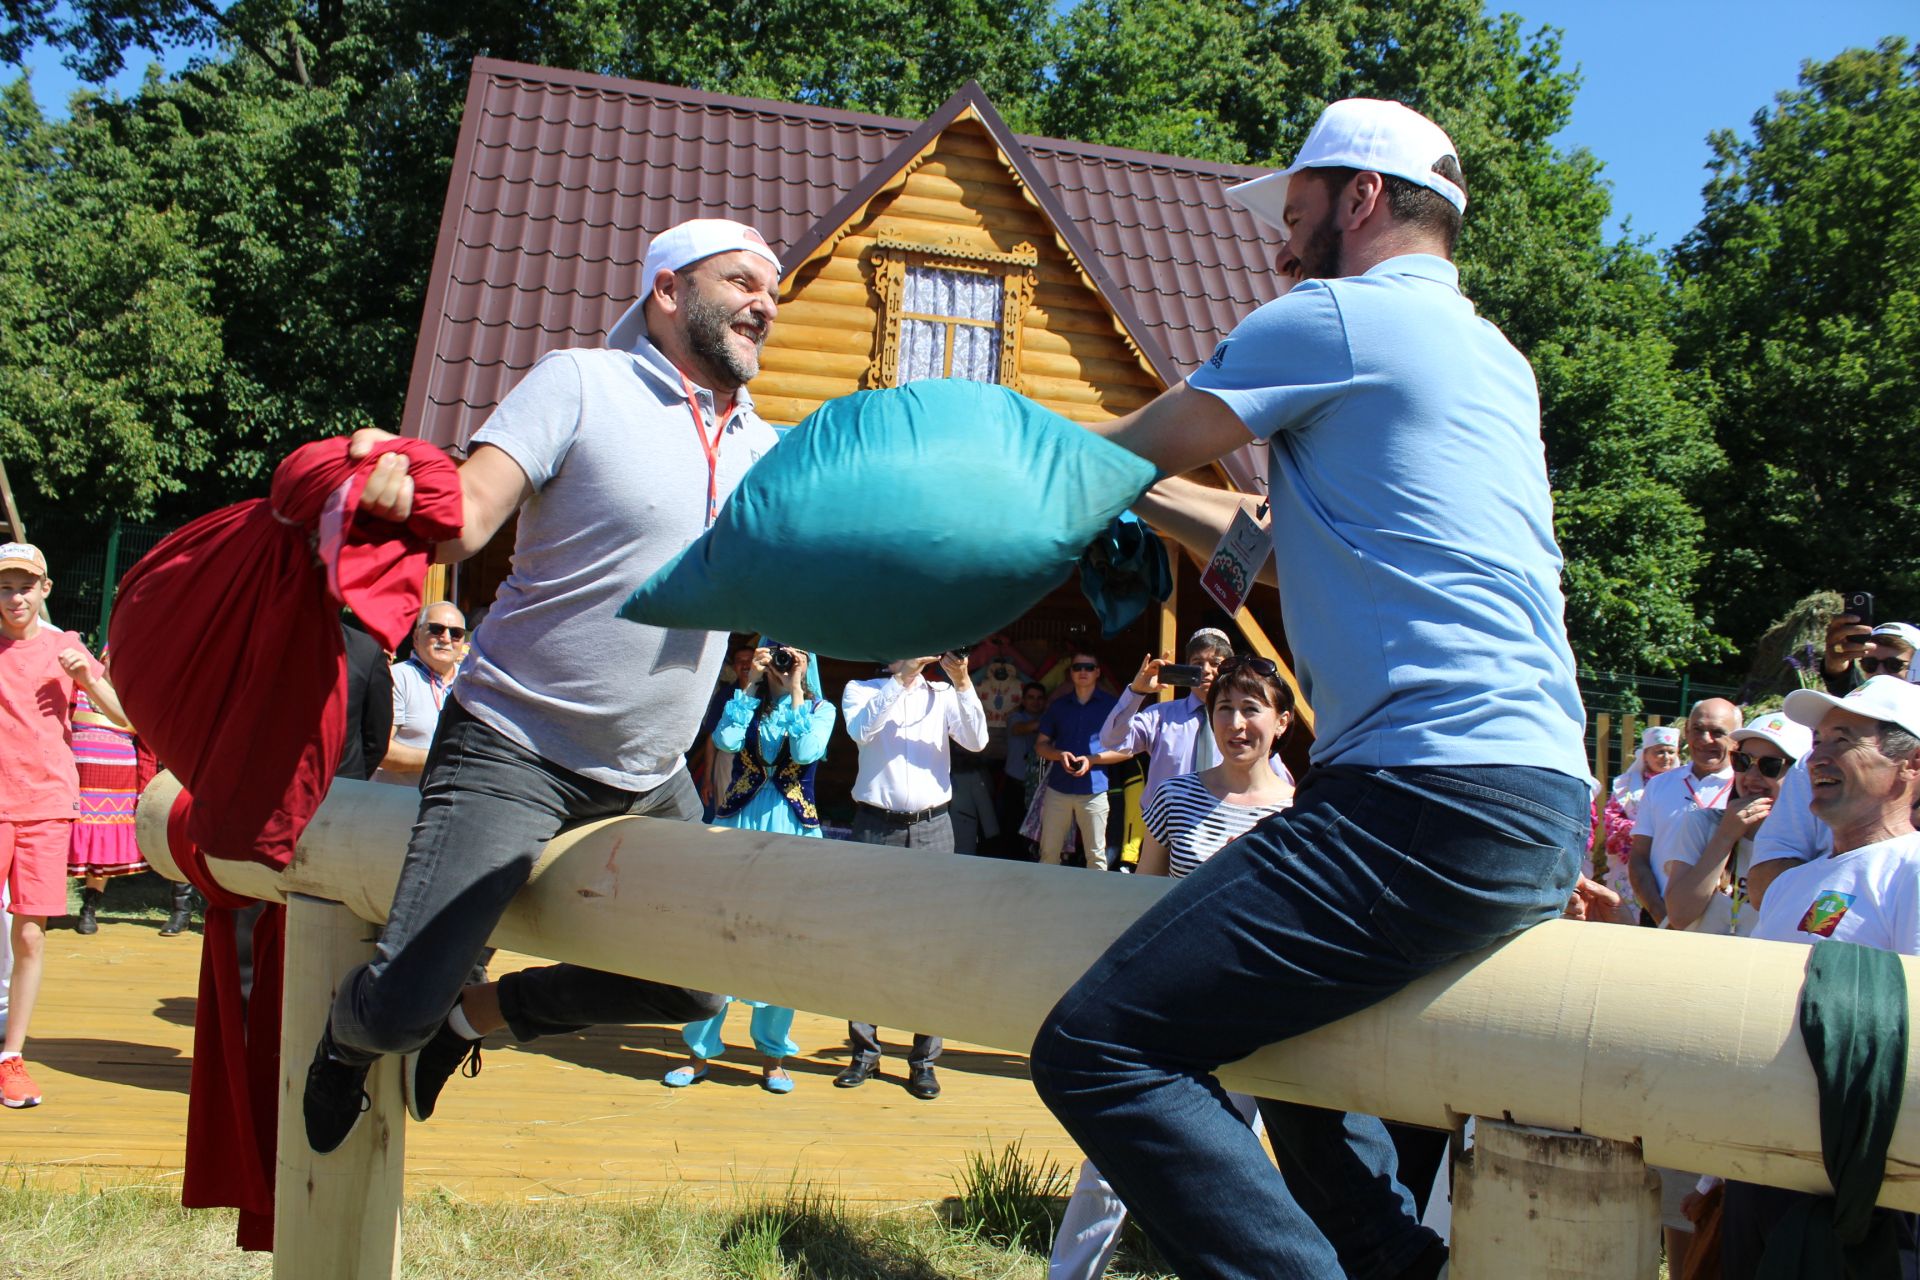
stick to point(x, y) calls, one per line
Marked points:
point(1319, 251)
point(709, 326)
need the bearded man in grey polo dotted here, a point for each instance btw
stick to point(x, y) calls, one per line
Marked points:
point(615, 459)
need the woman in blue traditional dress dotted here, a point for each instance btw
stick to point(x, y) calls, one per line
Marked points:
point(777, 726)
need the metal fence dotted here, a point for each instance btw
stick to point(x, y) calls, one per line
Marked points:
point(85, 559)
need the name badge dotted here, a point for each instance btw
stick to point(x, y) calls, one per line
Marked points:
point(1236, 562)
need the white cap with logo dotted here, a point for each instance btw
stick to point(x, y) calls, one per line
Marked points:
point(682, 246)
point(1780, 729)
point(1881, 698)
point(1659, 735)
point(1372, 134)
point(22, 555)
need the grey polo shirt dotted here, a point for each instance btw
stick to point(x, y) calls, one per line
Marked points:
point(620, 487)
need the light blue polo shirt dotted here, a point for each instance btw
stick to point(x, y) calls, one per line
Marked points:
point(1419, 577)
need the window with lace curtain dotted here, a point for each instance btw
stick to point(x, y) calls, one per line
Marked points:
point(949, 311)
point(949, 325)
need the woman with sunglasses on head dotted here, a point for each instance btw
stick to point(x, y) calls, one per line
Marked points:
point(776, 728)
point(1707, 881)
point(1189, 818)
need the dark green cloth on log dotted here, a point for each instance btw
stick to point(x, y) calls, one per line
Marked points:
point(1853, 1017)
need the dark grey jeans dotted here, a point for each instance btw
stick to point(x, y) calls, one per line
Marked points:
point(935, 835)
point(487, 808)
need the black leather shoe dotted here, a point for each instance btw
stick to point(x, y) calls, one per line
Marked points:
point(858, 1072)
point(922, 1083)
point(88, 920)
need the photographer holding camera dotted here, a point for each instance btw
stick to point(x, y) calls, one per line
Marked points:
point(903, 724)
point(775, 728)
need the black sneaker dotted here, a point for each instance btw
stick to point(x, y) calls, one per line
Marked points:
point(335, 1099)
point(427, 1069)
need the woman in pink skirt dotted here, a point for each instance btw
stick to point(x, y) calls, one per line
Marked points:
point(103, 835)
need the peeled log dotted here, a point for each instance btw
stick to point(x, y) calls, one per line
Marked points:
point(1687, 1043)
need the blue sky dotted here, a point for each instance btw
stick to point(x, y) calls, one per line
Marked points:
point(1659, 75)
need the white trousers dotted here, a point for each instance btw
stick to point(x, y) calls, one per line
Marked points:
point(1090, 1231)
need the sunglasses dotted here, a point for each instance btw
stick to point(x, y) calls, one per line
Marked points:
point(1265, 668)
point(1884, 666)
point(1769, 766)
point(440, 631)
point(1084, 666)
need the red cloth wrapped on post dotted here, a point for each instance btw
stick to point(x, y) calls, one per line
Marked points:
point(227, 655)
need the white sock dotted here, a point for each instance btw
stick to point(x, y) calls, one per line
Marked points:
point(5, 1056)
point(458, 1021)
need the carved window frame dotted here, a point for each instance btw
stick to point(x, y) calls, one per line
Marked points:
point(890, 257)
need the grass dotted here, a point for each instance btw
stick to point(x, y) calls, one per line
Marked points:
point(998, 1227)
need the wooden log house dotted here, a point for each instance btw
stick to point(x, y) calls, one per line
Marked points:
point(1089, 278)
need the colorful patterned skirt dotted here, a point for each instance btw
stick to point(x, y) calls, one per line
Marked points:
point(103, 834)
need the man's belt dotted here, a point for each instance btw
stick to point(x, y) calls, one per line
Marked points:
point(898, 819)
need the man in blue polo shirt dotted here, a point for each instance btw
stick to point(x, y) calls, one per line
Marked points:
point(1069, 738)
point(1447, 804)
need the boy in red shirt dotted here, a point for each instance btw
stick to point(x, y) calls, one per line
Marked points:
point(39, 785)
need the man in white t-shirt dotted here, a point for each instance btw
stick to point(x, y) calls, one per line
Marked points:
point(1705, 783)
point(1709, 844)
point(420, 686)
point(1864, 767)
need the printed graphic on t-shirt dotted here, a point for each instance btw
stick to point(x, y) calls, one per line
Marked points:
point(1824, 916)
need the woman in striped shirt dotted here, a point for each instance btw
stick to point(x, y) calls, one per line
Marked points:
point(1189, 818)
point(1192, 816)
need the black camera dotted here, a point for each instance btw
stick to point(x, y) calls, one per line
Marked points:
point(780, 658)
point(960, 651)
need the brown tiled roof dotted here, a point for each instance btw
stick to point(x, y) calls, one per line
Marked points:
point(560, 178)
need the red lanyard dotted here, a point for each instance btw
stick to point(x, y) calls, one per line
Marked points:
point(1697, 802)
point(709, 447)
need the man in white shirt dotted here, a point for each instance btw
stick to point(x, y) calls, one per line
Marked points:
point(1670, 797)
point(1864, 767)
point(420, 686)
point(904, 726)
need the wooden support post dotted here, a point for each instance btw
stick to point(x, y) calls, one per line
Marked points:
point(1170, 629)
point(1541, 1204)
point(1602, 736)
point(336, 1216)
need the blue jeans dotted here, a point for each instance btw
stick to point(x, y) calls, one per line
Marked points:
point(1374, 878)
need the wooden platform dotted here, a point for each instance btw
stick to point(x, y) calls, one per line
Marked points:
point(581, 1115)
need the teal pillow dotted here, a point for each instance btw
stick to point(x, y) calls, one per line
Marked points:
point(898, 523)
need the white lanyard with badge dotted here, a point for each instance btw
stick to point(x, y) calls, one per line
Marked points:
point(1236, 562)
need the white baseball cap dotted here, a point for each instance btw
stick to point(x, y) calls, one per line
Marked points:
point(1882, 698)
point(1359, 133)
point(22, 555)
point(1659, 735)
point(682, 246)
point(1905, 632)
point(1782, 730)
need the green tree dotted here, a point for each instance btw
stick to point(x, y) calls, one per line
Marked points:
point(1800, 299)
point(108, 352)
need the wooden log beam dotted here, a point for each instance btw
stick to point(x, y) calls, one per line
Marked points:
point(1684, 1042)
